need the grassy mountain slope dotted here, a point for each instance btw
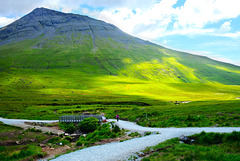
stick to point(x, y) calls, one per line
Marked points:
point(96, 62)
point(146, 71)
point(145, 62)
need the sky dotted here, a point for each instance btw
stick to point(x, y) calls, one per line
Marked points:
point(203, 27)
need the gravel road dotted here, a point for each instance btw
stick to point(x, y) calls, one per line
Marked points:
point(21, 123)
point(123, 150)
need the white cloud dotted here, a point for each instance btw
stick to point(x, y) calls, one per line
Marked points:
point(189, 19)
point(199, 13)
point(234, 35)
point(226, 26)
point(5, 21)
point(147, 24)
point(146, 19)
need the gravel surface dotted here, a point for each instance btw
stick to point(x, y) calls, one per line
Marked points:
point(123, 150)
point(21, 123)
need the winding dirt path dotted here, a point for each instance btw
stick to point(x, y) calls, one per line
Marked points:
point(122, 150)
point(22, 123)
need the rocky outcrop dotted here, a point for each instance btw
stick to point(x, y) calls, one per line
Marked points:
point(45, 24)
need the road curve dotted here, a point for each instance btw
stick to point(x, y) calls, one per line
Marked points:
point(122, 150)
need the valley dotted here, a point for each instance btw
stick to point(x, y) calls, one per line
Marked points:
point(66, 64)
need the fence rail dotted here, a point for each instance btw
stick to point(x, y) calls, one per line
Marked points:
point(77, 118)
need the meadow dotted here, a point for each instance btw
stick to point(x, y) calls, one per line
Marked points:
point(48, 94)
point(19, 144)
point(164, 87)
point(206, 146)
point(82, 73)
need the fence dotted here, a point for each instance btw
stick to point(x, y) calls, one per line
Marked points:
point(77, 118)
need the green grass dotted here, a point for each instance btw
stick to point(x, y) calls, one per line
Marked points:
point(71, 78)
point(48, 94)
point(212, 146)
point(198, 114)
point(21, 153)
point(29, 150)
point(7, 128)
point(102, 132)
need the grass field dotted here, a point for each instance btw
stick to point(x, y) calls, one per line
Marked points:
point(143, 83)
point(27, 149)
point(48, 94)
point(206, 146)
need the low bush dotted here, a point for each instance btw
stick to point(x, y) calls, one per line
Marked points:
point(216, 138)
point(70, 128)
point(134, 134)
point(102, 132)
point(29, 151)
point(54, 140)
point(33, 130)
point(207, 146)
point(147, 133)
point(116, 129)
point(64, 141)
point(88, 124)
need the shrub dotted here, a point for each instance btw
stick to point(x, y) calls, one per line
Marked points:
point(233, 137)
point(67, 127)
point(54, 140)
point(70, 128)
point(147, 133)
point(88, 124)
point(116, 129)
point(69, 138)
point(65, 142)
point(79, 143)
point(134, 134)
point(33, 130)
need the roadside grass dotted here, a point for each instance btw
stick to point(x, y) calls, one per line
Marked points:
point(207, 146)
point(20, 152)
point(193, 114)
point(19, 144)
point(105, 131)
point(7, 128)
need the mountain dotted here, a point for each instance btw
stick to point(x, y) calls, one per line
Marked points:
point(55, 50)
point(49, 24)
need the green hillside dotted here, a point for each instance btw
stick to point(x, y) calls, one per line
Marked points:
point(117, 68)
point(99, 64)
point(108, 57)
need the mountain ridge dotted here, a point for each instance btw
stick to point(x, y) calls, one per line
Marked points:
point(53, 23)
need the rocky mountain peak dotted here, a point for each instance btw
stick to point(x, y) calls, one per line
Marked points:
point(49, 23)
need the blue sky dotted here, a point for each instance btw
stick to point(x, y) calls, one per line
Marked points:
point(203, 27)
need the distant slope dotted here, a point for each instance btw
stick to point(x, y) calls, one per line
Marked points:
point(46, 39)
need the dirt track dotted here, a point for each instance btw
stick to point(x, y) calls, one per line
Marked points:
point(22, 124)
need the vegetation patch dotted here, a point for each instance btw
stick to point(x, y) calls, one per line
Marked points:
point(105, 131)
point(206, 146)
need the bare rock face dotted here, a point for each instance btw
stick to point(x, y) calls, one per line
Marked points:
point(45, 24)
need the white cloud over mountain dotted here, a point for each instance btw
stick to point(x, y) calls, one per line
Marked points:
point(154, 20)
point(147, 19)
